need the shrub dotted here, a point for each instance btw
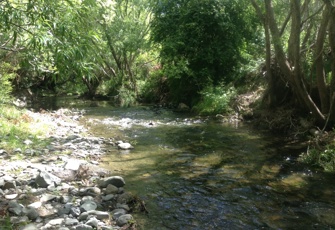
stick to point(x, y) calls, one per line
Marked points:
point(215, 100)
point(7, 74)
point(324, 159)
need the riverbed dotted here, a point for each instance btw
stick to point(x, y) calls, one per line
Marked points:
point(201, 173)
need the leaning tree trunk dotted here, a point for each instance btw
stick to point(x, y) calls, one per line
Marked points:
point(319, 62)
point(291, 68)
point(331, 38)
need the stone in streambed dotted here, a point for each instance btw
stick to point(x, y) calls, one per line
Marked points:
point(88, 206)
point(44, 179)
point(113, 180)
point(124, 145)
point(111, 189)
point(124, 219)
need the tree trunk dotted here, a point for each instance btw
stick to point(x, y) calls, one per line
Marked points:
point(319, 62)
point(332, 49)
point(291, 68)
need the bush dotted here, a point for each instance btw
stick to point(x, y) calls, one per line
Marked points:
point(215, 100)
point(126, 97)
point(155, 88)
point(7, 74)
point(324, 159)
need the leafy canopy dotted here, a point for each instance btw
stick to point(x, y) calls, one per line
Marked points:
point(200, 42)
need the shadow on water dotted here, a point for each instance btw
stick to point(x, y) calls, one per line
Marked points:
point(197, 173)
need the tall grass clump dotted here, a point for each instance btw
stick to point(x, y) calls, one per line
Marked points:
point(15, 123)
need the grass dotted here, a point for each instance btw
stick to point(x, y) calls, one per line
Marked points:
point(320, 158)
point(18, 130)
point(5, 223)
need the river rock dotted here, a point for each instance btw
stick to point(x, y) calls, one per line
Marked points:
point(113, 180)
point(57, 221)
point(108, 197)
point(88, 206)
point(71, 221)
point(123, 206)
point(111, 189)
point(65, 199)
point(65, 209)
point(47, 198)
point(83, 227)
point(124, 146)
point(118, 212)
point(30, 226)
point(53, 203)
point(75, 211)
point(36, 205)
point(8, 182)
point(44, 179)
point(100, 215)
point(92, 222)
point(89, 191)
point(124, 219)
point(11, 196)
point(74, 164)
point(32, 213)
point(15, 208)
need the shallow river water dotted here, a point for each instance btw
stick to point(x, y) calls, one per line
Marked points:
point(199, 173)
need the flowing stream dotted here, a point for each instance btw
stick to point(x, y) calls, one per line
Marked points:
point(199, 173)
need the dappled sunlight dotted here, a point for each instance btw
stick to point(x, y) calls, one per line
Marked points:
point(192, 171)
point(290, 183)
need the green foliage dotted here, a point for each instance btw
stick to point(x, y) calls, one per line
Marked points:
point(126, 97)
point(155, 89)
point(6, 223)
point(16, 126)
point(320, 158)
point(7, 74)
point(215, 100)
point(126, 31)
point(201, 42)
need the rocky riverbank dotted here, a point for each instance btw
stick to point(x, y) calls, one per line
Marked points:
point(62, 186)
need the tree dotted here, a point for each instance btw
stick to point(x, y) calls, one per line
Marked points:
point(304, 63)
point(51, 41)
point(125, 26)
point(200, 43)
point(70, 44)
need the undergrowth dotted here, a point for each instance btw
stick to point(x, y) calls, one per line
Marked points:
point(324, 159)
point(18, 130)
point(215, 100)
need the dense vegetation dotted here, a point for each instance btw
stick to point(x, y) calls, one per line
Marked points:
point(201, 53)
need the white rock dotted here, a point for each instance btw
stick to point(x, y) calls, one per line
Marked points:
point(11, 196)
point(125, 146)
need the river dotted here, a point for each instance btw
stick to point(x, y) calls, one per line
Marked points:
point(199, 173)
